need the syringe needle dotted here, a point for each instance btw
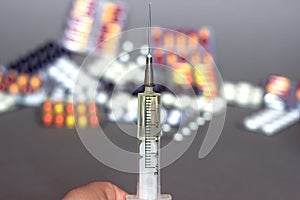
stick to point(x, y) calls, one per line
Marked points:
point(149, 28)
point(148, 82)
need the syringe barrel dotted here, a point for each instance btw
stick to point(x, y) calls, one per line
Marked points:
point(149, 181)
point(149, 115)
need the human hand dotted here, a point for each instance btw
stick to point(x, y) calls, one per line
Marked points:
point(96, 191)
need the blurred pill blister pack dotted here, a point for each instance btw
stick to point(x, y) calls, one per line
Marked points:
point(91, 22)
point(70, 95)
point(190, 95)
point(68, 114)
point(22, 82)
point(281, 107)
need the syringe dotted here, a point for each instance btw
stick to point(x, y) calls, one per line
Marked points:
point(148, 133)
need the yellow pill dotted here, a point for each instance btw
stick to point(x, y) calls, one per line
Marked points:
point(59, 108)
point(81, 108)
point(82, 121)
point(35, 82)
point(70, 121)
point(14, 88)
point(22, 80)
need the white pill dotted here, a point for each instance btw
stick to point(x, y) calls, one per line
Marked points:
point(178, 137)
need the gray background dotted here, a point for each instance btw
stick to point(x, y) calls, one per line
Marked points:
point(254, 39)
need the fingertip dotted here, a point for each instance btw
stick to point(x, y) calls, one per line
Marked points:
point(120, 194)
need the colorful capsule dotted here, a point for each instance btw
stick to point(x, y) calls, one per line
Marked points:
point(59, 120)
point(69, 108)
point(169, 40)
point(22, 80)
point(156, 35)
point(82, 121)
point(199, 74)
point(93, 120)
point(35, 82)
point(47, 106)
point(182, 74)
point(81, 108)
point(181, 42)
point(204, 34)
point(92, 108)
point(192, 40)
point(70, 121)
point(298, 91)
point(13, 88)
point(58, 108)
point(47, 119)
point(108, 17)
point(1, 77)
point(158, 56)
point(195, 58)
point(171, 58)
point(204, 38)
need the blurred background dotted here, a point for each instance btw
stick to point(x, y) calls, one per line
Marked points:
point(251, 36)
point(255, 46)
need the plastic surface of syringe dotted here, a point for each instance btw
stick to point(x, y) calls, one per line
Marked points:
point(149, 131)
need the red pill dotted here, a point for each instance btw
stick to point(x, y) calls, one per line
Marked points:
point(69, 108)
point(59, 120)
point(47, 106)
point(93, 120)
point(92, 108)
point(47, 119)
